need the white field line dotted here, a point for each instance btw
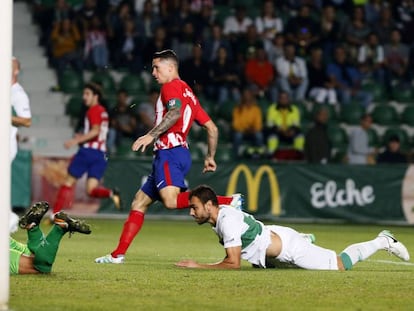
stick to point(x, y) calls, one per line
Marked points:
point(398, 263)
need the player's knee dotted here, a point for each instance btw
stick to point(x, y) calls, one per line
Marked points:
point(170, 203)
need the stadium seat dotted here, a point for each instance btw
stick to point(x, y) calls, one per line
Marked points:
point(71, 82)
point(105, 80)
point(403, 94)
point(351, 113)
point(407, 115)
point(225, 111)
point(376, 90)
point(305, 116)
point(133, 84)
point(384, 114)
point(224, 153)
point(338, 137)
point(373, 139)
point(401, 133)
point(74, 106)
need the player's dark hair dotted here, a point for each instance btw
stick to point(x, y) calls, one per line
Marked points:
point(166, 54)
point(204, 193)
point(95, 88)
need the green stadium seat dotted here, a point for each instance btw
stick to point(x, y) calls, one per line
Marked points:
point(407, 115)
point(373, 139)
point(224, 153)
point(225, 111)
point(305, 115)
point(351, 113)
point(133, 84)
point(403, 94)
point(338, 137)
point(376, 90)
point(401, 133)
point(384, 114)
point(71, 82)
point(73, 106)
point(105, 80)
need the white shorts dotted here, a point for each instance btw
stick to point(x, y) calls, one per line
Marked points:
point(298, 251)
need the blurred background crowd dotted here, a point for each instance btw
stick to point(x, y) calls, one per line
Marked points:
point(313, 80)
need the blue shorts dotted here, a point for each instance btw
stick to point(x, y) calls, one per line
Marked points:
point(88, 160)
point(169, 168)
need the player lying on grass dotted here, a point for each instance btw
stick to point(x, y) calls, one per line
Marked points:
point(244, 237)
point(39, 254)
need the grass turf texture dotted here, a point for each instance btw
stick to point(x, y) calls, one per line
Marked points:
point(150, 281)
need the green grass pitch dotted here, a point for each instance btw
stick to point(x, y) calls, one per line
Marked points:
point(150, 281)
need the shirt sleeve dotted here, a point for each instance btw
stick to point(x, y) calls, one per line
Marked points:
point(231, 232)
point(22, 106)
point(95, 116)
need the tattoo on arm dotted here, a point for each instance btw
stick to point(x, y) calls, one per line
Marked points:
point(169, 120)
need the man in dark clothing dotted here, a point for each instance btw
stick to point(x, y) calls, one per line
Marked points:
point(392, 153)
point(317, 145)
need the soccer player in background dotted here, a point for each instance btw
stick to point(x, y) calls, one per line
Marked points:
point(176, 110)
point(40, 252)
point(91, 156)
point(21, 116)
point(244, 237)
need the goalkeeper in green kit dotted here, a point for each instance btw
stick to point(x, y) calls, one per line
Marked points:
point(40, 252)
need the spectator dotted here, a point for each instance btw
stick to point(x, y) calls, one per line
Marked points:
point(146, 113)
point(404, 12)
point(203, 20)
point(356, 31)
point(214, 42)
point(195, 71)
point(268, 24)
point(184, 43)
point(247, 124)
point(302, 31)
point(116, 22)
point(65, 39)
point(317, 144)
point(320, 88)
point(396, 61)
point(372, 10)
point(330, 30)
point(96, 53)
point(283, 124)
point(160, 42)
point(236, 25)
point(128, 50)
point(147, 21)
point(88, 10)
point(384, 25)
point(359, 151)
point(123, 122)
point(275, 47)
point(60, 11)
point(225, 79)
point(260, 75)
point(347, 79)
point(392, 153)
point(248, 43)
point(180, 14)
point(371, 59)
point(292, 73)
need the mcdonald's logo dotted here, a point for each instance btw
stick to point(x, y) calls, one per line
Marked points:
point(253, 182)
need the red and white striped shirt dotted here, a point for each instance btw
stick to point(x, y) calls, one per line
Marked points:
point(96, 115)
point(191, 110)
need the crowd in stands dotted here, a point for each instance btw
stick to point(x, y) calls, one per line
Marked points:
point(277, 72)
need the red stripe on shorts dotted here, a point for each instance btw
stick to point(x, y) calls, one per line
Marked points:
point(167, 174)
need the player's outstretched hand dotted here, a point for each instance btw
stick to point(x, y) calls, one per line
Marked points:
point(209, 165)
point(188, 263)
point(142, 143)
